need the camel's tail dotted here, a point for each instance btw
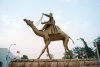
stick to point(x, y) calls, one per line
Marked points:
point(72, 40)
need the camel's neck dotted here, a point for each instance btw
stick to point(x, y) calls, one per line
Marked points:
point(36, 31)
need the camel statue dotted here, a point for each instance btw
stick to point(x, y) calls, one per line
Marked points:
point(48, 38)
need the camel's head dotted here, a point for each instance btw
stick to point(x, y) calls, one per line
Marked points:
point(25, 19)
point(29, 22)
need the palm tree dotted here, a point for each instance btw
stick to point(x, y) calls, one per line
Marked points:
point(79, 52)
point(83, 53)
point(1, 64)
point(89, 51)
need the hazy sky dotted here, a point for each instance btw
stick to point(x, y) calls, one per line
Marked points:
point(77, 18)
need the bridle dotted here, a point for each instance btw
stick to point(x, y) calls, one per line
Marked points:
point(37, 23)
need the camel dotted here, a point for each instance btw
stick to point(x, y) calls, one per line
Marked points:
point(48, 38)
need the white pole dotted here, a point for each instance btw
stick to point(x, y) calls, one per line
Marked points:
point(9, 53)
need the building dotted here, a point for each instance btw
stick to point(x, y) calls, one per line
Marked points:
point(97, 44)
point(5, 56)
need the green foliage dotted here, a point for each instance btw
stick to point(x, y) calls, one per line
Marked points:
point(87, 52)
point(76, 52)
point(24, 57)
point(84, 54)
point(1, 64)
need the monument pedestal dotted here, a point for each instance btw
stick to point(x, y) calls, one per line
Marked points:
point(91, 62)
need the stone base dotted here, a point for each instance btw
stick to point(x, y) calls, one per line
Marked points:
point(91, 62)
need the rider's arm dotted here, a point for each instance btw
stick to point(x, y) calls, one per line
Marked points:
point(48, 23)
point(43, 22)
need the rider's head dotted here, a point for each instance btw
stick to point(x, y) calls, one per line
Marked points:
point(51, 14)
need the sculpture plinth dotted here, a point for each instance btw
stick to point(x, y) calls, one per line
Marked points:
point(92, 62)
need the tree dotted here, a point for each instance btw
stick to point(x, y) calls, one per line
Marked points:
point(1, 64)
point(89, 51)
point(24, 57)
point(80, 52)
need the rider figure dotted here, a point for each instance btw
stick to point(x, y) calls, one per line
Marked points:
point(50, 22)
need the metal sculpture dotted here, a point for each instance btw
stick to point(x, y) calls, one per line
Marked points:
point(51, 33)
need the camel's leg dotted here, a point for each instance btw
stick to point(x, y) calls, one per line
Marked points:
point(46, 46)
point(48, 50)
point(66, 47)
point(64, 44)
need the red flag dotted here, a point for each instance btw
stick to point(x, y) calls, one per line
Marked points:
point(18, 52)
point(80, 52)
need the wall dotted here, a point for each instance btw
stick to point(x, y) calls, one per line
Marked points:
point(91, 62)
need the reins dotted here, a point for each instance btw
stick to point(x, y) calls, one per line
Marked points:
point(37, 23)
